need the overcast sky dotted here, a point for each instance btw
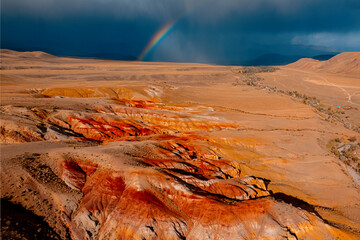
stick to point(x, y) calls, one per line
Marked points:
point(214, 31)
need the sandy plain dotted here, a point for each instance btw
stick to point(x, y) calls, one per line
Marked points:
point(99, 149)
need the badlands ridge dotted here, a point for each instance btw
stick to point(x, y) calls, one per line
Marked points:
point(95, 149)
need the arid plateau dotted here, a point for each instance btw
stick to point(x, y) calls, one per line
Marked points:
point(101, 149)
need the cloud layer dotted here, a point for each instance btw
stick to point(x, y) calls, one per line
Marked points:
point(226, 30)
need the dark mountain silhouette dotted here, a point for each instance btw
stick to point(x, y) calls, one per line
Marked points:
point(273, 59)
point(279, 59)
point(324, 57)
point(110, 56)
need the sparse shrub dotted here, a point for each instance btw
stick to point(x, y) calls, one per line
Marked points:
point(352, 139)
point(352, 148)
point(347, 154)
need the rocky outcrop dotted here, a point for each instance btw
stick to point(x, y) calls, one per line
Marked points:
point(174, 198)
point(111, 123)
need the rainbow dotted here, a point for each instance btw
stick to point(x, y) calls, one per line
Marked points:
point(156, 39)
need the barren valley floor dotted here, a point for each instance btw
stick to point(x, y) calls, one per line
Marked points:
point(99, 149)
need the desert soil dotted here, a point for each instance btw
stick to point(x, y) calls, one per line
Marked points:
point(100, 149)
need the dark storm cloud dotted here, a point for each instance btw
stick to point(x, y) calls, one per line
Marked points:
point(325, 12)
point(115, 8)
point(228, 30)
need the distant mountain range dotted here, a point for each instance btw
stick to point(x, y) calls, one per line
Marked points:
point(263, 60)
point(279, 59)
point(323, 57)
point(110, 56)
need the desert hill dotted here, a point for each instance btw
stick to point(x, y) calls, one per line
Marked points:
point(343, 63)
point(7, 53)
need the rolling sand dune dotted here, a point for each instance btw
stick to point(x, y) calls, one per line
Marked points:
point(95, 149)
